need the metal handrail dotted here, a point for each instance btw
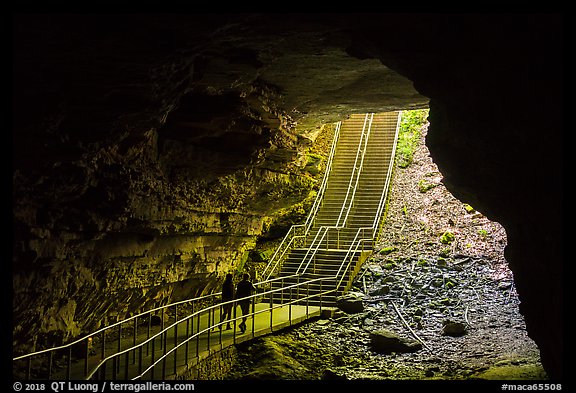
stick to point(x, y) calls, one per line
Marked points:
point(210, 327)
point(324, 184)
point(356, 170)
point(384, 195)
point(275, 260)
point(354, 177)
point(118, 323)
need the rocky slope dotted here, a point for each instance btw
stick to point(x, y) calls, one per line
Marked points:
point(451, 294)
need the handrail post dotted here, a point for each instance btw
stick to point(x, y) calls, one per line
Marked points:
point(134, 341)
point(307, 296)
point(187, 346)
point(147, 335)
point(320, 298)
point(87, 347)
point(153, 357)
point(119, 343)
point(175, 336)
point(198, 335)
point(290, 308)
point(253, 316)
point(271, 309)
point(234, 318)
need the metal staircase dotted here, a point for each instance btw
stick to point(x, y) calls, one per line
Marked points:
point(343, 229)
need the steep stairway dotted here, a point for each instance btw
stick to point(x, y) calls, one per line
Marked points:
point(347, 221)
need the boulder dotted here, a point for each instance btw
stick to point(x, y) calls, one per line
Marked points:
point(454, 329)
point(351, 303)
point(385, 341)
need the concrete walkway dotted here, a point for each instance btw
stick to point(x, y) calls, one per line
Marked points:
point(206, 341)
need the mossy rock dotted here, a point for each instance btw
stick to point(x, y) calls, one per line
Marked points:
point(503, 372)
point(388, 250)
point(425, 185)
point(447, 237)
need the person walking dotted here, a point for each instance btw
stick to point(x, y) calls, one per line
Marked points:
point(243, 289)
point(227, 296)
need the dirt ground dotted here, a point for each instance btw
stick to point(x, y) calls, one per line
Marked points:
point(438, 263)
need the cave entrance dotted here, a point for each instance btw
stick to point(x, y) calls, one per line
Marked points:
point(438, 299)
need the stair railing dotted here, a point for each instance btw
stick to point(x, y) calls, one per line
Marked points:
point(117, 363)
point(348, 199)
point(373, 230)
point(353, 248)
point(356, 169)
point(101, 334)
point(291, 236)
point(384, 196)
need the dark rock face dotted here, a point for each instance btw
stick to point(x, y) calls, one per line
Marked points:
point(152, 153)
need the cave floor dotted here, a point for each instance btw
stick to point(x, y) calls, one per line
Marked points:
point(415, 282)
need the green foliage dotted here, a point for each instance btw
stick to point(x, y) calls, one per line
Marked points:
point(411, 123)
point(469, 209)
point(388, 250)
point(447, 237)
point(425, 185)
point(483, 233)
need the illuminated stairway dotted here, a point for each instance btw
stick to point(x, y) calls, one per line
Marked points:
point(354, 199)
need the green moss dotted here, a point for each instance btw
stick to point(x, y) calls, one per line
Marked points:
point(469, 209)
point(388, 250)
point(447, 237)
point(411, 123)
point(405, 210)
point(425, 185)
point(530, 371)
point(313, 163)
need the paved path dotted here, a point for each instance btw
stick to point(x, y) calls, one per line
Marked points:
point(206, 342)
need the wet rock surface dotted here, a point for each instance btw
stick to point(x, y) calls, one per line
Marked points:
point(438, 281)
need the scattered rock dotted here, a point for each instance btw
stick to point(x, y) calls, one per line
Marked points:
point(385, 341)
point(380, 290)
point(351, 303)
point(453, 329)
point(503, 285)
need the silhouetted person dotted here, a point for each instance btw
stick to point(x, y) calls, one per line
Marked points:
point(227, 295)
point(243, 289)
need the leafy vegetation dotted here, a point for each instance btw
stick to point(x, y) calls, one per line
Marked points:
point(447, 238)
point(425, 185)
point(411, 124)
